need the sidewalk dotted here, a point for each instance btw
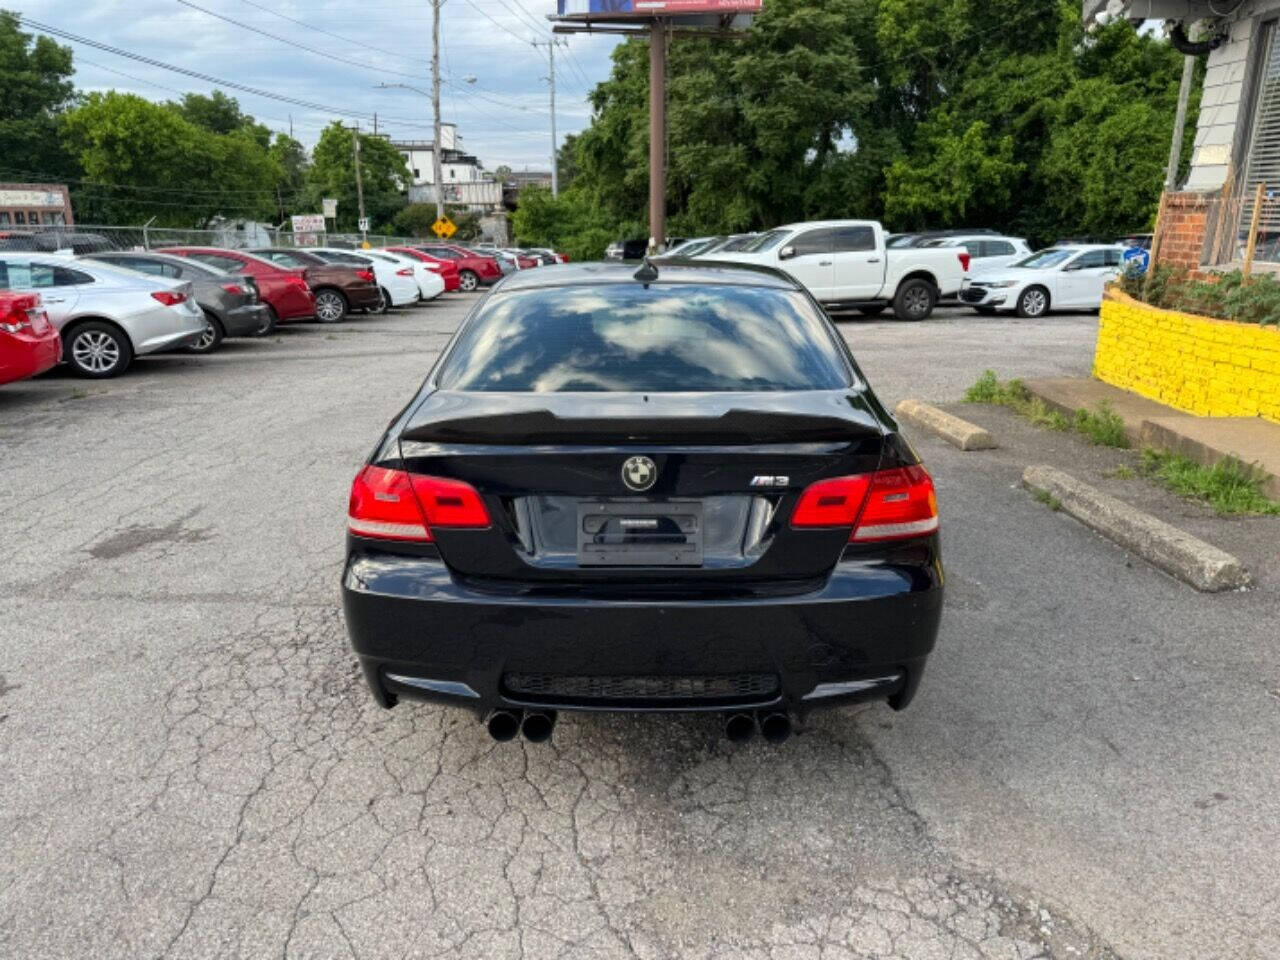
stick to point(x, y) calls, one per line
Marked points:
point(1203, 439)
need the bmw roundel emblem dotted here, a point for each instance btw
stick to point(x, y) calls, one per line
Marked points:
point(639, 473)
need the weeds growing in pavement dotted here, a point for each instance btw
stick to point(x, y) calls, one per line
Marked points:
point(1232, 488)
point(1104, 428)
point(1121, 473)
point(1015, 395)
point(1048, 499)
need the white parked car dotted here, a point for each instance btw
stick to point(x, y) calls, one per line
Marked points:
point(399, 288)
point(844, 264)
point(106, 316)
point(1059, 278)
point(986, 251)
point(430, 284)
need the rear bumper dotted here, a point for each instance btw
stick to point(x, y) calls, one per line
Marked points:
point(25, 355)
point(364, 297)
point(862, 635)
point(244, 321)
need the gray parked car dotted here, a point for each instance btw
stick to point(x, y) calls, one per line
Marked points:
point(229, 300)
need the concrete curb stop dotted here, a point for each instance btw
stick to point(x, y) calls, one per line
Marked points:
point(1174, 551)
point(957, 432)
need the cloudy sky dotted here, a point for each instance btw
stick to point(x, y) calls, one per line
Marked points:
point(336, 52)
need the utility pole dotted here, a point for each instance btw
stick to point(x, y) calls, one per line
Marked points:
point(551, 78)
point(1179, 123)
point(657, 135)
point(355, 144)
point(375, 123)
point(436, 171)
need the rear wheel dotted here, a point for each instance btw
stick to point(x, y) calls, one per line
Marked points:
point(98, 350)
point(1033, 302)
point(211, 338)
point(384, 301)
point(269, 322)
point(468, 280)
point(873, 311)
point(915, 299)
point(331, 306)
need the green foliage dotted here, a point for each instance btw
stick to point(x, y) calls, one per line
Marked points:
point(332, 174)
point(467, 222)
point(569, 223)
point(35, 88)
point(140, 157)
point(1104, 427)
point(219, 113)
point(1048, 499)
point(1232, 488)
point(1223, 296)
point(415, 220)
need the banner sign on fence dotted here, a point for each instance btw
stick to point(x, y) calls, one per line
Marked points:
point(308, 223)
point(655, 8)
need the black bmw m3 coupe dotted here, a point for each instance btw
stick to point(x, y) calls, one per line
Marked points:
point(664, 489)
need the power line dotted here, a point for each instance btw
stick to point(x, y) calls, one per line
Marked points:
point(328, 33)
point(497, 23)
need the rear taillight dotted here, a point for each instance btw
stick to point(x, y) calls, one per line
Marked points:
point(365, 275)
point(233, 288)
point(965, 259)
point(890, 504)
point(21, 313)
point(397, 505)
point(434, 266)
point(406, 272)
point(297, 280)
point(168, 297)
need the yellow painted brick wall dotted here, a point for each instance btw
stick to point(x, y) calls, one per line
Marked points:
point(1215, 368)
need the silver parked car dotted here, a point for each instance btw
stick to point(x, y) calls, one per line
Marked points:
point(107, 316)
point(230, 301)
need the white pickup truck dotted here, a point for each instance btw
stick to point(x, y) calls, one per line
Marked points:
point(845, 265)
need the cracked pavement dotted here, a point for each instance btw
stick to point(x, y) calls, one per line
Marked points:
point(191, 766)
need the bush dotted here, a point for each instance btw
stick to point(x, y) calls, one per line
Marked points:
point(1104, 428)
point(1223, 296)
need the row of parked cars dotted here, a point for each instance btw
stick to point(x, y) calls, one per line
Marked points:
point(98, 310)
point(856, 264)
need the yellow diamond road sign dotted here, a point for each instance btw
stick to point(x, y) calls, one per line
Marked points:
point(444, 227)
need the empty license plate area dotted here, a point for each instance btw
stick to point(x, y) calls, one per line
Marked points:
point(640, 534)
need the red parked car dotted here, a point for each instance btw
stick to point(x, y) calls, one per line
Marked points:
point(474, 270)
point(447, 269)
point(29, 343)
point(285, 291)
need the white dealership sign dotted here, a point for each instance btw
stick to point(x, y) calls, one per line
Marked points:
point(30, 198)
point(308, 223)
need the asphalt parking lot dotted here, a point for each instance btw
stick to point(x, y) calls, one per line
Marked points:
point(191, 766)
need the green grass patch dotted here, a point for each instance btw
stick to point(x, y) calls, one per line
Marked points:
point(1121, 473)
point(1103, 427)
point(1048, 499)
point(1232, 488)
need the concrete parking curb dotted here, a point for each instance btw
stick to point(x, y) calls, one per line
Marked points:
point(957, 432)
point(1174, 551)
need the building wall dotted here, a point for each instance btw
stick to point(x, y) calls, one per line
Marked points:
point(1183, 225)
point(1214, 368)
point(49, 202)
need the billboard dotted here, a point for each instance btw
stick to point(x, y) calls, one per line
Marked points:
point(655, 8)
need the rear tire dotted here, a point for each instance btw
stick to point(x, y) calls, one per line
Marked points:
point(915, 300)
point(1033, 303)
point(873, 311)
point(384, 301)
point(331, 305)
point(212, 337)
point(268, 326)
point(468, 281)
point(97, 350)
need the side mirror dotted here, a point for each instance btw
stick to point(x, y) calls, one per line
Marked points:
point(786, 253)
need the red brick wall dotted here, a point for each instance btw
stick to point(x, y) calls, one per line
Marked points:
point(1182, 229)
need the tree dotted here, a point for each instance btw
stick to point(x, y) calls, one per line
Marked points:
point(291, 158)
point(570, 223)
point(219, 113)
point(35, 89)
point(415, 220)
point(332, 174)
point(142, 159)
point(502, 174)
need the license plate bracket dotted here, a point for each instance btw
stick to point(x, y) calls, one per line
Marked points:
point(640, 533)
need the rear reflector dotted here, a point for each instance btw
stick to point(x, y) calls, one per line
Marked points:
point(887, 505)
point(449, 503)
point(168, 297)
point(382, 506)
point(397, 505)
point(233, 288)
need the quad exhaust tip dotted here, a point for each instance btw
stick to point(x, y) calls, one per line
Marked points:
point(537, 725)
point(503, 725)
point(775, 727)
point(739, 727)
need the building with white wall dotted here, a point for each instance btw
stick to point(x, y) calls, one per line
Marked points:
point(456, 165)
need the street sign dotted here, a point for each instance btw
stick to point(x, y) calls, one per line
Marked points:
point(307, 223)
point(444, 228)
point(330, 205)
point(1137, 260)
point(364, 224)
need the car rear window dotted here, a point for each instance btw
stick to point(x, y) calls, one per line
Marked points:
point(656, 339)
